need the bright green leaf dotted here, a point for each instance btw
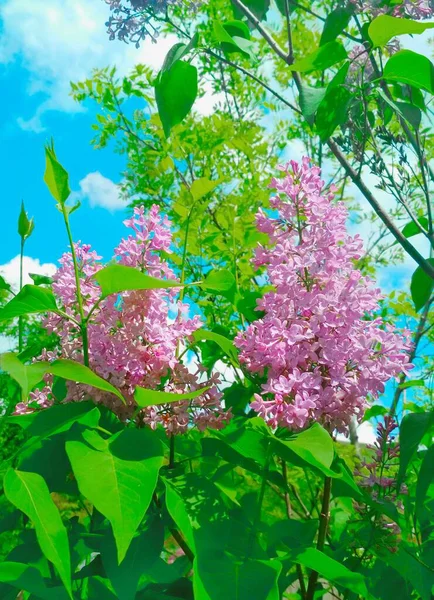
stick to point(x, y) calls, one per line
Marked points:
point(4, 285)
point(220, 280)
point(178, 51)
point(145, 397)
point(234, 36)
point(412, 383)
point(421, 286)
point(175, 93)
point(74, 371)
point(412, 229)
point(115, 279)
point(375, 411)
point(310, 99)
point(202, 186)
point(30, 300)
point(324, 57)
point(30, 494)
point(41, 279)
point(27, 376)
point(384, 27)
point(313, 446)
point(333, 571)
point(56, 178)
point(225, 344)
point(120, 481)
point(409, 67)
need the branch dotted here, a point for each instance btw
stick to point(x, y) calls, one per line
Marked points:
point(356, 179)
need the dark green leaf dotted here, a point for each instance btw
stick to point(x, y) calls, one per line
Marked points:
point(324, 57)
point(143, 552)
point(384, 27)
point(411, 431)
point(335, 23)
point(412, 229)
point(409, 67)
point(30, 494)
point(30, 300)
point(24, 577)
point(234, 37)
point(120, 480)
point(406, 111)
point(332, 111)
point(425, 478)
point(421, 286)
point(120, 278)
point(175, 93)
point(314, 446)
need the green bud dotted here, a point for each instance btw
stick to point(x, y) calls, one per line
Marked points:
point(25, 225)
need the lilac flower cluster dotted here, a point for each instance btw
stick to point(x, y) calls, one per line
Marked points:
point(134, 20)
point(413, 9)
point(319, 344)
point(132, 339)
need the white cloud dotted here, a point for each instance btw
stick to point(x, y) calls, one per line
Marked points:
point(100, 191)
point(11, 270)
point(58, 41)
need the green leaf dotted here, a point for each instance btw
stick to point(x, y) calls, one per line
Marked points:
point(57, 418)
point(333, 571)
point(425, 478)
point(28, 578)
point(27, 376)
point(115, 279)
point(25, 225)
point(412, 229)
point(41, 279)
point(375, 411)
point(175, 93)
point(409, 67)
point(332, 111)
point(143, 552)
point(310, 99)
point(258, 7)
point(335, 23)
point(411, 431)
point(120, 480)
point(324, 57)
point(225, 344)
point(30, 494)
point(177, 510)
point(220, 280)
point(74, 371)
point(178, 51)
point(314, 446)
point(421, 286)
point(4, 285)
point(202, 186)
point(234, 36)
point(219, 577)
point(406, 111)
point(383, 28)
point(412, 383)
point(30, 300)
point(145, 397)
point(56, 178)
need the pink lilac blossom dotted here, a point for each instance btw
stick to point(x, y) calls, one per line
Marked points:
point(321, 347)
point(413, 9)
point(134, 20)
point(132, 340)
